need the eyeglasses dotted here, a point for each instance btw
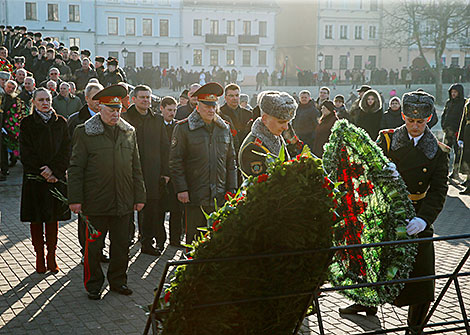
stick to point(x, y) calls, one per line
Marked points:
point(54, 74)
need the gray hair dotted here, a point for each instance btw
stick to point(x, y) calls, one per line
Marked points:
point(31, 78)
point(305, 92)
point(39, 90)
point(53, 69)
point(92, 86)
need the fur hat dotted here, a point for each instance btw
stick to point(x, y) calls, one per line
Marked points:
point(417, 105)
point(278, 104)
point(4, 75)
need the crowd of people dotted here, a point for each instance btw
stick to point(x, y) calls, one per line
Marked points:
point(109, 151)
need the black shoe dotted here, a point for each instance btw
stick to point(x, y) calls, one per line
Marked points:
point(12, 162)
point(124, 290)
point(104, 258)
point(356, 308)
point(150, 251)
point(94, 295)
point(466, 191)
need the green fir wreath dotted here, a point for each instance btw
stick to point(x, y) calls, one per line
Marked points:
point(374, 208)
point(290, 208)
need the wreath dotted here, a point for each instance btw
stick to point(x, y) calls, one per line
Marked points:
point(290, 208)
point(373, 209)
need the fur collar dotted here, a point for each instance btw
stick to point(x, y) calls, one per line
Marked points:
point(195, 121)
point(427, 144)
point(94, 126)
point(377, 106)
point(270, 141)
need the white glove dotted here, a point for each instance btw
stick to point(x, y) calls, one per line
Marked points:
point(415, 226)
point(460, 143)
point(393, 168)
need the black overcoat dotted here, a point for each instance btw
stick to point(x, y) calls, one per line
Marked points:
point(43, 144)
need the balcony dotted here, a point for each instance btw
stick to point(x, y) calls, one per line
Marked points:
point(248, 39)
point(218, 39)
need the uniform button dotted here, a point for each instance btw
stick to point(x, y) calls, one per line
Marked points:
point(420, 183)
point(425, 170)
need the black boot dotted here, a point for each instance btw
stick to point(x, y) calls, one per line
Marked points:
point(356, 308)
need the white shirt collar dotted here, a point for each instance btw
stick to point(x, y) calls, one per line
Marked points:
point(415, 139)
point(168, 123)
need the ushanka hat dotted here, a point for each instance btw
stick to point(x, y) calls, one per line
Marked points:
point(278, 104)
point(417, 105)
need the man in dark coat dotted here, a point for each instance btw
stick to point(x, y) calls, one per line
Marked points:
point(464, 141)
point(277, 109)
point(422, 162)
point(99, 68)
point(170, 201)
point(105, 183)
point(154, 152)
point(450, 122)
point(84, 74)
point(202, 159)
point(306, 119)
point(238, 116)
point(355, 108)
point(185, 110)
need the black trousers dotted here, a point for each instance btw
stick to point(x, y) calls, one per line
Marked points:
point(176, 217)
point(3, 156)
point(118, 227)
point(416, 315)
point(152, 225)
point(193, 218)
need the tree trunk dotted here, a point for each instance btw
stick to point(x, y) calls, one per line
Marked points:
point(438, 78)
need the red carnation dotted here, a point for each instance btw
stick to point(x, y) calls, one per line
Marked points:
point(262, 177)
point(228, 196)
point(215, 225)
point(167, 296)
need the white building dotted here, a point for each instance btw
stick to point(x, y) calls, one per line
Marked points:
point(148, 29)
point(233, 35)
point(71, 22)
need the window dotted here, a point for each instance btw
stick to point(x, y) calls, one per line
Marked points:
point(231, 57)
point(374, 5)
point(147, 27)
point(263, 28)
point(164, 60)
point(372, 62)
point(454, 61)
point(246, 27)
point(52, 12)
point(130, 60)
point(262, 58)
point(372, 32)
point(246, 58)
point(197, 27)
point(74, 41)
point(358, 62)
point(130, 26)
point(147, 59)
point(328, 62)
point(112, 25)
point(74, 13)
point(231, 28)
point(343, 32)
point(214, 60)
point(343, 62)
point(467, 61)
point(197, 57)
point(114, 54)
point(215, 27)
point(328, 31)
point(358, 32)
point(31, 11)
point(164, 28)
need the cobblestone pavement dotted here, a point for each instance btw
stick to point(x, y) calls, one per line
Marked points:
point(31, 303)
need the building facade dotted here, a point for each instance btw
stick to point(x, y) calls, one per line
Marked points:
point(70, 22)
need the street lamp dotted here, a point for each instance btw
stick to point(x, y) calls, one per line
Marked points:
point(125, 53)
point(287, 58)
point(320, 58)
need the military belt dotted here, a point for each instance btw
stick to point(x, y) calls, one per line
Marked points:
point(417, 197)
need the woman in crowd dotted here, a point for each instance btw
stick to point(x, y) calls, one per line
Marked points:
point(44, 152)
point(323, 129)
point(392, 118)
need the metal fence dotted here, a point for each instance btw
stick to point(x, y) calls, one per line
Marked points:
point(156, 314)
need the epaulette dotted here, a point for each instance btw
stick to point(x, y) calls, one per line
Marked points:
point(388, 131)
point(182, 121)
point(258, 142)
point(443, 147)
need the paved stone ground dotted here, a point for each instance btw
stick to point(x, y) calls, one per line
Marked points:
point(31, 303)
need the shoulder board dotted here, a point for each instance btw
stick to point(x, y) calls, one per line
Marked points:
point(258, 142)
point(443, 147)
point(387, 131)
point(182, 121)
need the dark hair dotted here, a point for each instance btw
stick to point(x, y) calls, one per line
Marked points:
point(3, 48)
point(39, 90)
point(232, 87)
point(325, 88)
point(329, 105)
point(141, 88)
point(166, 101)
point(339, 97)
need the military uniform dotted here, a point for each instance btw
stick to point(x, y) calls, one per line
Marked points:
point(423, 164)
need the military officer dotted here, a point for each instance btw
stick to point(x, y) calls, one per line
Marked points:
point(202, 159)
point(422, 161)
point(277, 109)
point(105, 184)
